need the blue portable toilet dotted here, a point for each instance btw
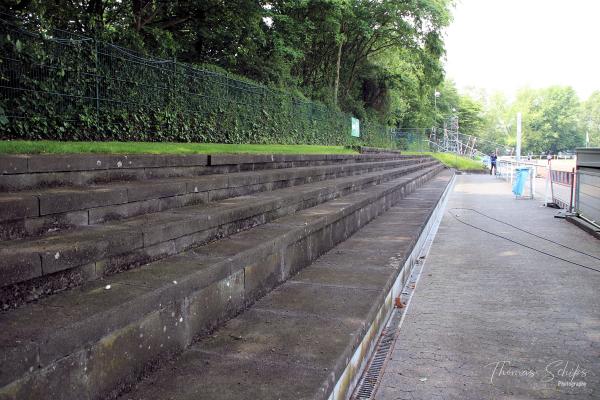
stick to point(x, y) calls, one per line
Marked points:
point(521, 176)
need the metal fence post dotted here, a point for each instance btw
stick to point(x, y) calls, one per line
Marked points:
point(530, 171)
point(173, 97)
point(577, 188)
point(533, 178)
point(572, 176)
point(97, 79)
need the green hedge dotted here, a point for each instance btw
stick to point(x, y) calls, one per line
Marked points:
point(60, 86)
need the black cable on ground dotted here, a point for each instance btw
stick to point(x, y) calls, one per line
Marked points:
point(524, 245)
point(529, 233)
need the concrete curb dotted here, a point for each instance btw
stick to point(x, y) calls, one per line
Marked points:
point(584, 225)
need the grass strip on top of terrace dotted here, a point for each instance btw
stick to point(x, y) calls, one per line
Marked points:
point(452, 160)
point(56, 147)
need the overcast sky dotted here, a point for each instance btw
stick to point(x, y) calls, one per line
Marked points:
point(508, 44)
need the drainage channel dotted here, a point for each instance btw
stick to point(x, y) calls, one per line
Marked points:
point(369, 381)
point(370, 378)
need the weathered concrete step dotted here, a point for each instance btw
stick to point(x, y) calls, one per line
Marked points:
point(22, 172)
point(377, 150)
point(298, 341)
point(31, 268)
point(32, 213)
point(83, 343)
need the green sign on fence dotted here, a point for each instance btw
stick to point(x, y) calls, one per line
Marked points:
point(355, 127)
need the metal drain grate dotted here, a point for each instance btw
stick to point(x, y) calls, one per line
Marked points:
point(367, 385)
point(370, 377)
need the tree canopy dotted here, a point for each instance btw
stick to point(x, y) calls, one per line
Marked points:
point(377, 59)
point(554, 119)
point(381, 61)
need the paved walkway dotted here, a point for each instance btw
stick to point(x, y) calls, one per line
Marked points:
point(491, 319)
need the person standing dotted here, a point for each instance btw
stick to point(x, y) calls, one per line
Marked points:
point(493, 159)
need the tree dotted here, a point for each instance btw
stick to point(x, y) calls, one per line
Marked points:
point(470, 116)
point(589, 118)
point(498, 131)
point(346, 47)
point(550, 119)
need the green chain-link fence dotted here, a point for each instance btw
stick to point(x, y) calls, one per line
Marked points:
point(412, 140)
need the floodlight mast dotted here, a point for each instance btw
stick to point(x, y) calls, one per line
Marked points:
point(519, 136)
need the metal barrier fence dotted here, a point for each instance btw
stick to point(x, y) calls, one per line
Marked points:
point(562, 187)
point(58, 79)
point(507, 170)
point(556, 187)
point(544, 156)
point(587, 196)
point(565, 178)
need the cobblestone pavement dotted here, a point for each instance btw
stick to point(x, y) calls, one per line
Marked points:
point(491, 319)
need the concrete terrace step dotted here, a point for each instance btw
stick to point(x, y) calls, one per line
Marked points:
point(88, 342)
point(32, 267)
point(31, 213)
point(22, 172)
point(298, 342)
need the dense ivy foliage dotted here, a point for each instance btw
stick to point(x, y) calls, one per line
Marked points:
point(313, 63)
point(70, 87)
